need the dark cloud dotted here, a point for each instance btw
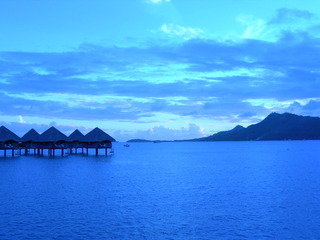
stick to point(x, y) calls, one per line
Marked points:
point(250, 69)
point(51, 109)
point(311, 108)
point(312, 105)
point(287, 15)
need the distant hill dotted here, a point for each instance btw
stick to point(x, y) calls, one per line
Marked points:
point(276, 126)
point(139, 140)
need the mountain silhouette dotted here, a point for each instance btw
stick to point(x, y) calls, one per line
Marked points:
point(276, 126)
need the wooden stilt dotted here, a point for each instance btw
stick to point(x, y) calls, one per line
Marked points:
point(40, 148)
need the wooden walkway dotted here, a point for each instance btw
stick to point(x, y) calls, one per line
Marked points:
point(58, 150)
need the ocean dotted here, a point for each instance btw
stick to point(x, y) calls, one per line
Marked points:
point(166, 191)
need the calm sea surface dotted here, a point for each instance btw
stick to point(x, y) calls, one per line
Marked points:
point(199, 191)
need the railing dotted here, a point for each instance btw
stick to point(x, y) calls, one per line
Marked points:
point(9, 146)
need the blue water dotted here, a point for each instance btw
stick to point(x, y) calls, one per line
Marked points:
point(199, 191)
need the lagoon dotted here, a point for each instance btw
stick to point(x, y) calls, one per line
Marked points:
point(169, 190)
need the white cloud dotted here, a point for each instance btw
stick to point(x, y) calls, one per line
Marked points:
point(157, 1)
point(21, 119)
point(285, 20)
point(254, 28)
point(164, 133)
point(185, 33)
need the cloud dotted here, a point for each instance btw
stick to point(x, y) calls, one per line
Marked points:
point(285, 20)
point(255, 28)
point(309, 107)
point(21, 119)
point(157, 1)
point(287, 15)
point(312, 105)
point(185, 76)
point(164, 133)
point(182, 32)
point(195, 79)
point(110, 110)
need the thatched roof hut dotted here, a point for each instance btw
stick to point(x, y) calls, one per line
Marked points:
point(31, 136)
point(7, 136)
point(76, 136)
point(52, 135)
point(97, 135)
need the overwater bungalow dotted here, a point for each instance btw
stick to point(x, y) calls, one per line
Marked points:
point(51, 140)
point(97, 139)
point(29, 141)
point(9, 141)
point(75, 141)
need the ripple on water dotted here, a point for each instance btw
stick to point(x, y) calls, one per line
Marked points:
point(240, 190)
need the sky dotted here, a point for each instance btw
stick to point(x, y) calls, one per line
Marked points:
point(156, 69)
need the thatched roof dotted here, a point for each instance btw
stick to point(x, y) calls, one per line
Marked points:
point(97, 135)
point(7, 135)
point(52, 135)
point(75, 136)
point(32, 135)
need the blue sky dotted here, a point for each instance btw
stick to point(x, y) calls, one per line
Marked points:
point(170, 69)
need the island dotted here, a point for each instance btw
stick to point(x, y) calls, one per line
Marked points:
point(276, 126)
